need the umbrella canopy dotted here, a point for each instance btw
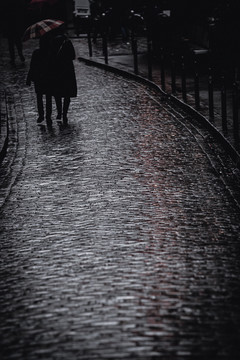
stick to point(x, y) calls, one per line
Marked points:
point(40, 28)
point(51, 2)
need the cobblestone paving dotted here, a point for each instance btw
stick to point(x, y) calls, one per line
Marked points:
point(118, 239)
point(120, 55)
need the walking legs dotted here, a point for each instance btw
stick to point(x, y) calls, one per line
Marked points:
point(19, 47)
point(58, 101)
point(40, 107)
point(66, 103)
point(62, 109)
point(11, 49)
point(48, 107)
point(15, 40)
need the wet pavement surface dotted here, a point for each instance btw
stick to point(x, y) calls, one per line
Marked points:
point(119, 236)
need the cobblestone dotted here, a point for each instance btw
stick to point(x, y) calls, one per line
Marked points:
point(119, 237)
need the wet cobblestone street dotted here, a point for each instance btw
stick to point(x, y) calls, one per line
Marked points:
point(119, 239)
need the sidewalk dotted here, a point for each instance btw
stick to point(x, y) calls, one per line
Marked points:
point(119, 233)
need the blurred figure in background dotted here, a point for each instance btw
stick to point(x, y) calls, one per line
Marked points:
point(13, 22)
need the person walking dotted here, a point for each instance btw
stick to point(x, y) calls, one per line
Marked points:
point(62, 72)
point(39, 74)
point(13, 17)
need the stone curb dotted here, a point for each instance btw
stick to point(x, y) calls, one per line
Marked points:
point(201, 118)
point(4, 131)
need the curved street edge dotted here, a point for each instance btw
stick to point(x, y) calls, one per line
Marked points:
point(4, 124)
point(234, 154)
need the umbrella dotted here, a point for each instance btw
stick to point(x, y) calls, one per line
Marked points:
point(40, 28)
point(51, 2)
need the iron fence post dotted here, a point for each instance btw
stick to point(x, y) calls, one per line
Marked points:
point(89, 41)
point(196, 83)
point(162, 70)
point(105, 48)
point(224, 104)
point(149, 59)
point(135, 57)
point(104, 38)
point(210, 94)
point(184, 90)
point(235, 113)
point(173, 73)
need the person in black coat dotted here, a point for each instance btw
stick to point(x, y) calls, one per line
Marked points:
point(39, 74)
point(62, 73)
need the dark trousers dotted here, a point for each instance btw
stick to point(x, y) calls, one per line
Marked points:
point(40, 105)
point(62, 108)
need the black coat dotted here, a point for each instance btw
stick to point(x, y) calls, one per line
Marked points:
point(39, 72)
point(62, 73)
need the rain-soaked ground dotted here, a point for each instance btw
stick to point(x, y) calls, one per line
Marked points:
point(119, 239)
